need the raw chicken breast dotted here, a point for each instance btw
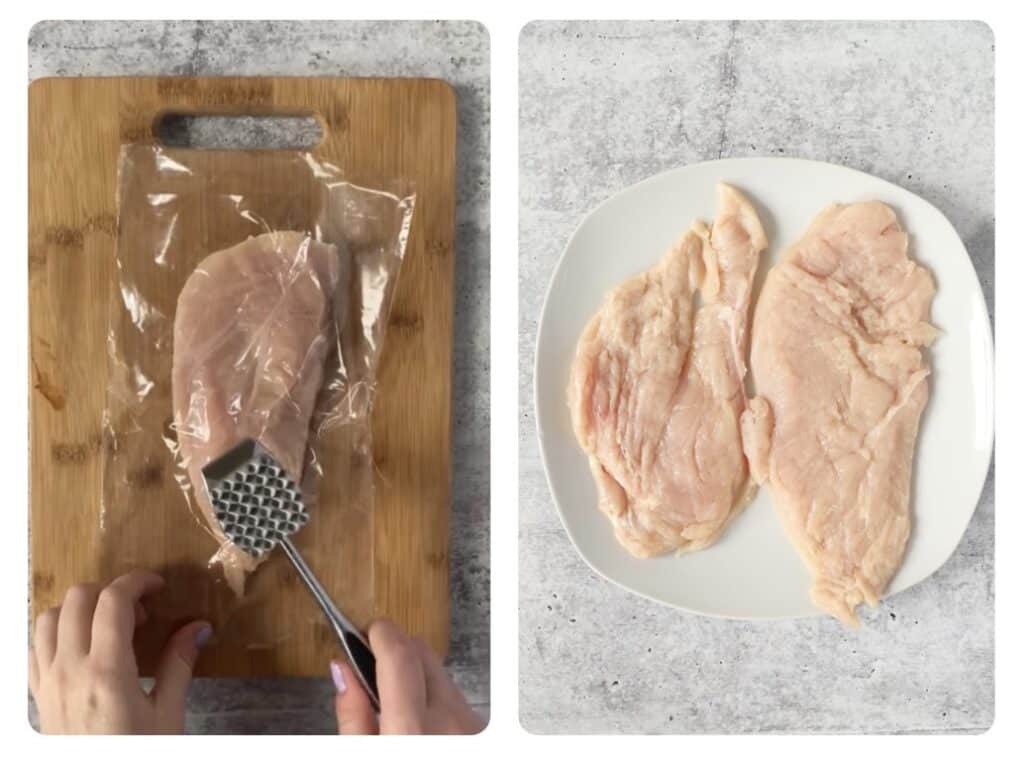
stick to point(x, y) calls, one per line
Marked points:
point(841, 385)
point(656, 391)
point(251, 334)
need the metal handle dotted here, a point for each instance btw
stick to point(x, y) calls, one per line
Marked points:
point(363, 663)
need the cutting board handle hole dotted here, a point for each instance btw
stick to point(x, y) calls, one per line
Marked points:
point(239, 132)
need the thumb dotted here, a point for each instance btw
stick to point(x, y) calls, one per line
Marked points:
point(351, 704)
point(174, 671)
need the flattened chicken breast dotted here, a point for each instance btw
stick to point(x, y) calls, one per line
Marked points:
point(656, 390)
point(841, 384)
point(251, 336)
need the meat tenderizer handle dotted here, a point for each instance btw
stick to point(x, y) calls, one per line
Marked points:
point(363, 663)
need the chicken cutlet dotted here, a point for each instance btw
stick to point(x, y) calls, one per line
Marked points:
point(252, 332)
point(656, 388)
point(841, 383)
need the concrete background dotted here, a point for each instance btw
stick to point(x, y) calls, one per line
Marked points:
point(604, 105)
point(458, 52)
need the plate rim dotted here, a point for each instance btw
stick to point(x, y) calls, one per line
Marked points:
point(978, 294)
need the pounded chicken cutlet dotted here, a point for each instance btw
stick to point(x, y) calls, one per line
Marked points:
point(251, 335)
point(656, 389)
point(841, 384)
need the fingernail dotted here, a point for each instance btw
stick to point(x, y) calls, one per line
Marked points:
point(338, 677)
point(203, 635)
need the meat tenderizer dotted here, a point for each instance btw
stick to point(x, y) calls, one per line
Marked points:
point(260, 507)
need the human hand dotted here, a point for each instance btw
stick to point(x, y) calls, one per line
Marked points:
point(82, 669)
point(416, 695)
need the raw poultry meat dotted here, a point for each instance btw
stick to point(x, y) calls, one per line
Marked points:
point(656, 389)
point(251, 335)
point(841, 384)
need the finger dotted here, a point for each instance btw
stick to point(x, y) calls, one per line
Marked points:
point(174, 669)
point(400, 679)
point(114, 623)
point(352, 705)
point(33, 673)
point(441, 690)
point(74, 627)
point(439, 685)
point(45, 639)
point(141, 616)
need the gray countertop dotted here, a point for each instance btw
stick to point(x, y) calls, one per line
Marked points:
point(604, 105)
point(459, 53)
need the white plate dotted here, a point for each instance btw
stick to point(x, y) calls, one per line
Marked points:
point(752, 571)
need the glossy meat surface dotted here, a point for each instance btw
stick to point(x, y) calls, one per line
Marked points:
point(252, 332)
point(841, 384)
point(656, 388)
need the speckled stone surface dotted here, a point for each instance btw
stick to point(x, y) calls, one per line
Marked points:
point(604, 105)
point(458, 52)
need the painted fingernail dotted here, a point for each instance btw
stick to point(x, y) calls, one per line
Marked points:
point(338, 677)
point(203, 635)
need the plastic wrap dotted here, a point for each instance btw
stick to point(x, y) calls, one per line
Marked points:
point(253, 289)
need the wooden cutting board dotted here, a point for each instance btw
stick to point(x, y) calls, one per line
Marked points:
point(391, 563)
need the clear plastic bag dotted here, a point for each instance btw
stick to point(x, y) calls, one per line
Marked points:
point(254, 287)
